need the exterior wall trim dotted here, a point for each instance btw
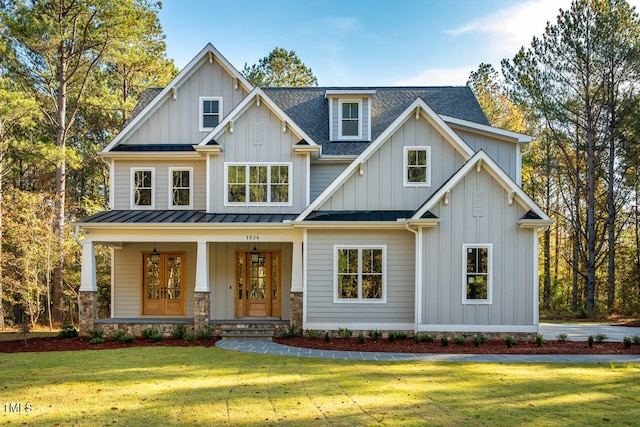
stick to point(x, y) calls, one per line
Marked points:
point(132, 195)
point(359, 326)
point(170, 204)
point(476, 328)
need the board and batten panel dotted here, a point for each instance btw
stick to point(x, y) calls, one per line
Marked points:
point(512, 281)
point(258, 137)
point(381, 186)
point(504, 153)
point(222, 276)
point(323, 174)
point(178, 122)
point(127, 280)
point(400, 262)
point(123, 185)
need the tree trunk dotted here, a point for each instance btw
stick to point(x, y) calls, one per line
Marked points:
point(611, 205)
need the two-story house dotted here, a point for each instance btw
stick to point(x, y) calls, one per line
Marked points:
point(389, 208)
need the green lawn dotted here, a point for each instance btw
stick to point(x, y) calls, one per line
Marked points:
point(208, 386)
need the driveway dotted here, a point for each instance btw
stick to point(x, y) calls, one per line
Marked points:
point(580, 331)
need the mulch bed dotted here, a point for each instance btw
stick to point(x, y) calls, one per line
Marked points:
point(491, 347)
point(352, 344)
point(78, 343)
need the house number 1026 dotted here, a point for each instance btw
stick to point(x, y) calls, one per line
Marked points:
point(253, 237)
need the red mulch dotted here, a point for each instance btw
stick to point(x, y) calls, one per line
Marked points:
point(74, 344)
point(491, 347)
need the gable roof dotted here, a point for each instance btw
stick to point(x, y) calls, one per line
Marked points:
point(155, 96)
point(426, 111)
point(309, 108)
point(484, 160)
point(256, 94)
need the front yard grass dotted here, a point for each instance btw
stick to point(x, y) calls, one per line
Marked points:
point(148, 386)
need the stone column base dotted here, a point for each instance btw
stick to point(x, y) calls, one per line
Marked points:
point(201, 307)
point(88, 310)
point(295, 310)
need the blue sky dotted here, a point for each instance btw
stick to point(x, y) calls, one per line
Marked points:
point(360, 42)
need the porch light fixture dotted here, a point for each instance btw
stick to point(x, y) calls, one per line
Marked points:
point(155, 255)
point(254, 255)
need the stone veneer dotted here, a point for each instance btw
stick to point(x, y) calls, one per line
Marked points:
point(295, 309)
point(201, 307)
point(135, 328)
point(88, 310)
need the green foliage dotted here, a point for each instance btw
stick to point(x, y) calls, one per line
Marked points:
point(479, 339)
point(391, 336)
point(427, 338)
point(179, 332)
point(206, 333)
point(190, 337)
point(601, 337)
point(95, 333)
point(122, 337)
point(563, 337)
point(280, 68)
point(626, 341)
point(539, 340)
point(345, 333)
point(444, 341)
point(416, 338)
point(147, 333)
point(96, 340)
point(510, 341)
point(401, 335)
point(636, 339)
point(292, 332)
point(459, 340)
point(312, 334)
point(68, 331)
point(327, 336)
point(361, 339)
point(375, 334)
point(590, 339)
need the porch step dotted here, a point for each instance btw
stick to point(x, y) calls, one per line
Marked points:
point(248, 329)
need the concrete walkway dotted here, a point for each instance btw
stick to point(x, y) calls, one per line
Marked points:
point(575, 332)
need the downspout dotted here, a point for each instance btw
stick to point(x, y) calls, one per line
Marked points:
point(418, 274)
point(76, 234)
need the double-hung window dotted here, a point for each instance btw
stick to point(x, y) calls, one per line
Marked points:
point(180, 188)
point(360, 274)
point(477, 276)
point(258, 184)
point(350, 120)
point(210, 112)
point(417, 166)
point(142, 188)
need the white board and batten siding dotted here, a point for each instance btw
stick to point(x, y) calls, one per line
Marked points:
point(123, 185)
point(381, 187)
point(321, 312)
point(494, 221)
point(258, 137)
point(504, 153)
point(222, 276)
point(127, 277)
point(178, 121)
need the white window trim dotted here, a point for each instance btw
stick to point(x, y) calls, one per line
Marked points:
point(201, 115)
point(405, 167)
point(170, 187)
point(248, 164)
point(489, 299)
point(359, 300)
point(360, 119)
point(132, 192)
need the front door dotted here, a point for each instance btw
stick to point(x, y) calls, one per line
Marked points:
point(257, 284)
point(163, 283)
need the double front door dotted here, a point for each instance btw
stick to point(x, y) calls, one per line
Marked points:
point(163, 280)
point(257, 290)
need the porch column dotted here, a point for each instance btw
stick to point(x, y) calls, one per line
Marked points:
point(295, 304)
point(202, 292)
point(88, 292)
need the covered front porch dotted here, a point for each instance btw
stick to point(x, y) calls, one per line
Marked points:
point(216, 278)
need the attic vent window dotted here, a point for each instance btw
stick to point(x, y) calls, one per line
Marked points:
point(478, 203)
point(210, 112)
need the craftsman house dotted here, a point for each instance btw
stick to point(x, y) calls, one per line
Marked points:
point(389, 208)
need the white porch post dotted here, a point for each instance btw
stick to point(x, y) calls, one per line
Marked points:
point(202, 268)
point(88, 281)
point(296, 268)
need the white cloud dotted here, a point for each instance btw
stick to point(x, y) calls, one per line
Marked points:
point(438, 77)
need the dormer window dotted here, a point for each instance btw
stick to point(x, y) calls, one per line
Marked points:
point(349, 114)
point(350, 123)
point(210, 112)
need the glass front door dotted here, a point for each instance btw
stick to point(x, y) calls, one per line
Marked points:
point(257, 284)
point(163, 283)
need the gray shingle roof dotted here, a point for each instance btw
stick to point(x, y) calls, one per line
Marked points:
point(309, 109)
